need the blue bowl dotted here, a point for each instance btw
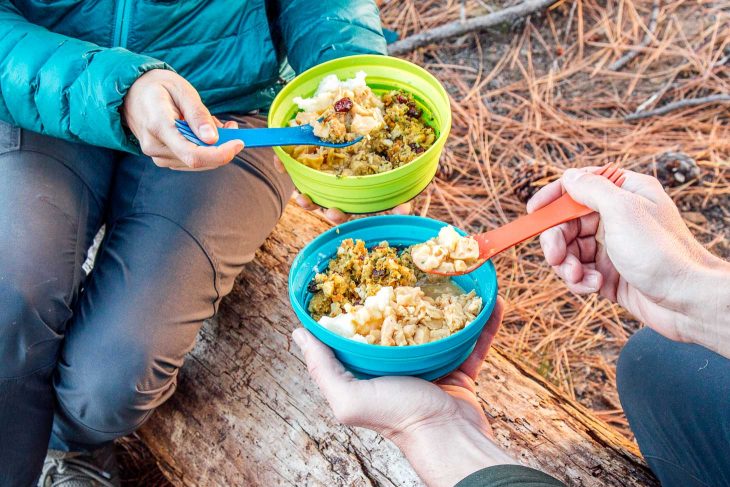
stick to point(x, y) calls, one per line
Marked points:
point(428, 361)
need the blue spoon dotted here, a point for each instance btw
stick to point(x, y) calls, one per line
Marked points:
point(300, 135)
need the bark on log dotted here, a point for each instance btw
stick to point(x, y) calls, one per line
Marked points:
point(246, 412)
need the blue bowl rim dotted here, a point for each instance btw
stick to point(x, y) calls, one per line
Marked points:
point(442, 345)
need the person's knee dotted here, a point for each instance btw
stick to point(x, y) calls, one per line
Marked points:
point(637, 366)
point(29, 320)
point(100, 402)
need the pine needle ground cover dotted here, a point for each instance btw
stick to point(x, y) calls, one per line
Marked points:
point(542, 95)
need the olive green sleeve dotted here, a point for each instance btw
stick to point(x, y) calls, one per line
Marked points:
point(64, 87)
point(509, 476)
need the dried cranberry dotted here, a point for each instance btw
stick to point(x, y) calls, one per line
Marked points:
point(416, 148)
point(313, 287)
point(401, 99)
point(378, 273)
point(343, 105)
point(414, 112)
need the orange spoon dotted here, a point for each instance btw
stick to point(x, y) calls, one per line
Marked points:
point(559, 211)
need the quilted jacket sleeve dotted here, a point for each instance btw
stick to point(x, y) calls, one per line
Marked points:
point(65, 87)
point(317, 31)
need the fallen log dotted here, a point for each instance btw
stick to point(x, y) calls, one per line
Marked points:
point(246, 412)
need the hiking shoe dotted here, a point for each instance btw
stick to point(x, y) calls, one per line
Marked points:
point(71, 469)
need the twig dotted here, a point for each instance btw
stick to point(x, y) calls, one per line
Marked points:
point(670, 107)
point(656, 96)
point(458, 28)
point(648, 36)
point(570, 21)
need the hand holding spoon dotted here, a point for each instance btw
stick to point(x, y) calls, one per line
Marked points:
point(495, 241)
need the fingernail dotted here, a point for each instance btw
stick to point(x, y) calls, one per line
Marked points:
point(239, 145)
point(571, 175)
point(207, 131)
point(592, 280)
point(299, 339)
point(547, 246)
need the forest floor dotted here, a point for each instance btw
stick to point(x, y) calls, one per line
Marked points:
point(534, 98)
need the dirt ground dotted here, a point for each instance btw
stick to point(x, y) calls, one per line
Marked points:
point(536, 97)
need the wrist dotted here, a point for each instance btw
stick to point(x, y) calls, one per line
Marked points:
point(707, 316)
point(443, 455)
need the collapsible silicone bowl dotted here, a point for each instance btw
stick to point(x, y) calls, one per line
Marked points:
point(376, 192)
point(428, 361)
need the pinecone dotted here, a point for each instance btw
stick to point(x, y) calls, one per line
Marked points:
point(676, 168)
point(523, 182)
point(446, 168)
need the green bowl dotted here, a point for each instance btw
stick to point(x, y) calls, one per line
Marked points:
point(376, 192)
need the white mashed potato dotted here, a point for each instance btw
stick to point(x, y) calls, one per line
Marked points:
point(404, 316)
point(447, 253)
point(365, 112)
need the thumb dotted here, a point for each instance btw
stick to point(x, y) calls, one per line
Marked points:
point(335, 382)
point(591, 190)
point(473, 364)
point(195, 113)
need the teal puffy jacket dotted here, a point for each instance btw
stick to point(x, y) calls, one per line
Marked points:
point(65, 65)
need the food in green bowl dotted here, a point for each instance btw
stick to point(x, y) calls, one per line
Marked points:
point(392, 127)
point(381, 190)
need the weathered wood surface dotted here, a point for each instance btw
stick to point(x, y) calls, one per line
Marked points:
point(246, 412)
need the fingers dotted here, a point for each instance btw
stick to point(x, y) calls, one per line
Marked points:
point(280, 166)
point(336, 216)
point(231, 124)
point(647, 186)
point(457, 380)
point(546, 195)
point(404, 209)
point(591, 190)
point(328, 373)
point(194, 112)
point(588, 225)
point(570, 269)
point(554, 246)
point(591, 283)
point(211, 157)
point(597, 187)
point(193, 156)
point(305, 202)
point(584, 248)
point(473, 364)
point(580, 278)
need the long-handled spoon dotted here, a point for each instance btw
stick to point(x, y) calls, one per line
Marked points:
point(559, 211)
point(264, 137)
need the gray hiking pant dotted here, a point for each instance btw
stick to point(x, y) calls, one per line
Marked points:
point(84, 360)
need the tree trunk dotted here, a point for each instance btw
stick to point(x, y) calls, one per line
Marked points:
point(246, 412)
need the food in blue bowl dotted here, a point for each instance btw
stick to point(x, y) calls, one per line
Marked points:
point(467, 300)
